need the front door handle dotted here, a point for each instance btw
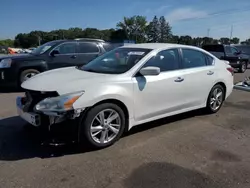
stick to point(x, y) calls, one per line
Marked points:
point(179, 79)
point(210, 73)
point(73, 56)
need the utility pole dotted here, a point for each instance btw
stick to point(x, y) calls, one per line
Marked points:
point(208, 32)
point(39, 40)
point(231, 33)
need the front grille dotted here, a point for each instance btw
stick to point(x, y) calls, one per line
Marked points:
point(34, 97)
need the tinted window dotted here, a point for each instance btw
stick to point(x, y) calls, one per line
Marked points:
point(193, 58)
point(84, 47)
point(234, 50)
point(210, 60)
point(228, 50)
point(213, 48)
point(166, 60)
point(244, 49)
point(67, 48)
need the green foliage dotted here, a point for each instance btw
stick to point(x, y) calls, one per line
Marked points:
point(7, 42)
point(153, 30)
point(134, 27)
point(130, 28)
point(165, 30)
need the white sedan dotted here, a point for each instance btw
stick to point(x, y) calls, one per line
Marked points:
point(125, 87)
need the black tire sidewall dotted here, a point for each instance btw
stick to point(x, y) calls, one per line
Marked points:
point(86, 120)
point(23, 73)
point(241, 68)
point(208, 107)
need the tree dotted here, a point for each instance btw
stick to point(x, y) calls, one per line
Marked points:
point(134, 27)
point(224, 40)
point(235, 40)
point(153, 30)
point(187, 40)
point(7, 43)
point(175, 39)
point(165, 30)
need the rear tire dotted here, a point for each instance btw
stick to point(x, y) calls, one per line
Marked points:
point(26, 74)
point(92, 127)
point(243, 67)
point(215, 99)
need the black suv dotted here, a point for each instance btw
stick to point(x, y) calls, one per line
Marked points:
point(235, 57)
point(15, 69)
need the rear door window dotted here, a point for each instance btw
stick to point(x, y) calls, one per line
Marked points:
point(67, 48)
point(193, 58)
point(87, 47)
point(228, 50)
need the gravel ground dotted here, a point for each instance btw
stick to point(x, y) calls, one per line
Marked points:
point(191, 150)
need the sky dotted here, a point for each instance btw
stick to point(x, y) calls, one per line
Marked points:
point(197, 18)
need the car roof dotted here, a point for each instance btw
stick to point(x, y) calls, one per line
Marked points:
point(81, 39)
point(157, 46)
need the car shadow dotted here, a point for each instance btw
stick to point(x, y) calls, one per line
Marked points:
point(167, 120)
point(17, 143)
point(163, 175)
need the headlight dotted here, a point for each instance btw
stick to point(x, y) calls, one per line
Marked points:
point(5, 63)
point(58, 104)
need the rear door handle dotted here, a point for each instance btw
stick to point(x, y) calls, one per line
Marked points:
point(179, 79)
point(210, 73)
point(73, 56)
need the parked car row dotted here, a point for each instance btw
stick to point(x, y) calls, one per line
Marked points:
point(107, 94)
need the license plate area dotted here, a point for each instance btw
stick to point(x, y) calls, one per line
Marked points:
point(30, 117)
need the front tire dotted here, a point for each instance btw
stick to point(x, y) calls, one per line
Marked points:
point(27, 74)
point(215, 99)
point(102, 125)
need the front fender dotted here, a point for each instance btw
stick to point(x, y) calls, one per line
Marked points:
point(122, 92)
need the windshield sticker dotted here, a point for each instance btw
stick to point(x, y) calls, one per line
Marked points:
point(136, 53)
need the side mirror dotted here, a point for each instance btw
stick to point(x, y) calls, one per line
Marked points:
point(54, 52)
point(150, 71)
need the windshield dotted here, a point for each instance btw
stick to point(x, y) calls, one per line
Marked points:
point(244, 49)
point(43, 48)
point(117, 61)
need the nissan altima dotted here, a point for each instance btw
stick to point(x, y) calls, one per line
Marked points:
point(125, 87)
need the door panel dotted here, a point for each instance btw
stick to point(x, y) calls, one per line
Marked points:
point(159, 95)
point(200, 81)
point(230, 55)
point(66, 57)
point(199, 73)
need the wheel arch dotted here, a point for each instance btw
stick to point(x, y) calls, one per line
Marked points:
point(121, 105)
point(224, 87)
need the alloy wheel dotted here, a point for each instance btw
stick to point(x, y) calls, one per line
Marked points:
point(216, 99)
point(105, 126)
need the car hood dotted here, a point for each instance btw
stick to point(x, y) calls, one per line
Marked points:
point(65, 80)
point(17, 56)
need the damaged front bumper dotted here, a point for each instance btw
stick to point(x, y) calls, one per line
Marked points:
point(57, 128)
point(35, 118)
